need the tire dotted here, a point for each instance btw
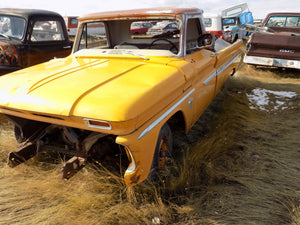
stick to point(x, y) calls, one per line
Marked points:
point(235, 38)
point(162, 159)
point(18, 135)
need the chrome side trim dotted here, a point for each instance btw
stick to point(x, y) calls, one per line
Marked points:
point(132, 167)
point(163, 116)
point(226, 65)
point(209, 78)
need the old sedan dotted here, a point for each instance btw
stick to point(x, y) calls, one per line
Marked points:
point(276, 43)
point(29, 37)
point(119, 93)
point(140, 27)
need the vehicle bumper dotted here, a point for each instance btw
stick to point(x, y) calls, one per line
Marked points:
point(273, 62)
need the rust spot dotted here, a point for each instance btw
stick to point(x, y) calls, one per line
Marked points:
point(8, 54)
point(135, 179)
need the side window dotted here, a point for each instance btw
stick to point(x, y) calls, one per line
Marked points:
point(93, 36)
point(47, 30)
point(292, 21)
point(276, 21)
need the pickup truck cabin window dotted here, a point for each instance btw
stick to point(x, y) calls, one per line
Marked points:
point(47, 30)
point(207, 22)
point(93, 36)
point(192, 34)
point(12, 26)
point(145, 34)
point(284, 21)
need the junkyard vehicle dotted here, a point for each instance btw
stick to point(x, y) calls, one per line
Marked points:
point(234, 20)
point(119, 92)
point(163, 27)
point(29, 37)
point(213, 24)
point(72, 24)
point(276, 43)
point(140, 27)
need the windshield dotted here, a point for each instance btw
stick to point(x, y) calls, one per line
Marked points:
point(207, 22)
point(229, 21)
point(284, 21)
point(12, 26)
point(131, 34)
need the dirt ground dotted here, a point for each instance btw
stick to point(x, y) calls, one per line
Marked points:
point(238, 165)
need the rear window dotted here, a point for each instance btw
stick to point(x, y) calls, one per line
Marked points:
point(47, 30)
point(284, 21)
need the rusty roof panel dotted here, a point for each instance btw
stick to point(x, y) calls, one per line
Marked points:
point(141, 13)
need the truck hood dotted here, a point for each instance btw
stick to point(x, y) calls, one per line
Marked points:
point(116, 88)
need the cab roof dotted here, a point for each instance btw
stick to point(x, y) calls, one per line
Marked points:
point(27, 13)
point(141, 13)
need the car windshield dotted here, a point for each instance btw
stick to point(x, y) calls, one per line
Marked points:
point(47, 30)
point(136, 25)
point(130, 34)
point(229, 21)
point(12, 26)
point(207, 22)
point(284, 21)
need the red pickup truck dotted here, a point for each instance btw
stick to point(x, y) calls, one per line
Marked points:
point(276, 43)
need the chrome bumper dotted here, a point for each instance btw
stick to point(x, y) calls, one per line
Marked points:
point(273, 62)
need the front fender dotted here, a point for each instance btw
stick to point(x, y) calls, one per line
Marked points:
point(140, 145)
point(140, 152)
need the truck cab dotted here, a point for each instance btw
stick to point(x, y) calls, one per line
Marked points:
point(234, 20)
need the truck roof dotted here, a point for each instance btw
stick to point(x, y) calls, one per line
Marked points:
point(141, 13)
point(27, 13)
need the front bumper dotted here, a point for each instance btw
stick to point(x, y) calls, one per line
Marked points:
point(272, 62)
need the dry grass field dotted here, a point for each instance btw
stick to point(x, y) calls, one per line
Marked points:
point(240, 164)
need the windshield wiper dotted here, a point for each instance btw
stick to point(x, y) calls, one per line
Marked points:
point(7, 37)
point(135, 54)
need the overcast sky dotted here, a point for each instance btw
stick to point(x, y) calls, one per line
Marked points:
point(77, 8)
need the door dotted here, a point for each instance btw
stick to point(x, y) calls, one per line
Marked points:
point(201, 73)
point(228, 59)
point(47, 39)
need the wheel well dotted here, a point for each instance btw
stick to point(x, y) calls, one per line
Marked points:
point(177, 123)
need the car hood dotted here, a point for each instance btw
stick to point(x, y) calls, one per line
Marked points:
point(116, 88)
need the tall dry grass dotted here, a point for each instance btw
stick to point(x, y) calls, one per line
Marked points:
point(236, 166)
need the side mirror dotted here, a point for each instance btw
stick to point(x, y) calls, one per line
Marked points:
point(206, 41)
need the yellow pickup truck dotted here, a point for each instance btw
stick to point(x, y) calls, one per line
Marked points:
point(119, 92)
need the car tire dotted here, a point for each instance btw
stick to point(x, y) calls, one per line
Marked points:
point(162, 159)
point(18, 135)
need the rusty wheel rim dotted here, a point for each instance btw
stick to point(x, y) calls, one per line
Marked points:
point(164, 154)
